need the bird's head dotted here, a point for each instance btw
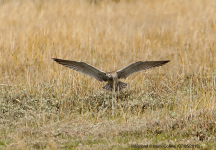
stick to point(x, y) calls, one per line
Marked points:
point(111, 75)
point(108, 76)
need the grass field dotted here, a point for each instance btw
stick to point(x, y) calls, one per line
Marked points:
point(44, 105)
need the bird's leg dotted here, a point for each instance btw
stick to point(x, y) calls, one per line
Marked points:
point(118, 92)
point(113, 97)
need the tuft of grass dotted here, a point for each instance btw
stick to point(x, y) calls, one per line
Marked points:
point(46, 106)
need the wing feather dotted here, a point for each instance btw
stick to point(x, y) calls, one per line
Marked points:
point(83, 68)
point(139, 66)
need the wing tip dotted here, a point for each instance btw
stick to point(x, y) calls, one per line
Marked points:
point(161, 63)
point(166, 61)
point(58, 60)
point(55, 59)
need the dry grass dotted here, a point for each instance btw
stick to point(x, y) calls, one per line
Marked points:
point(46, 106)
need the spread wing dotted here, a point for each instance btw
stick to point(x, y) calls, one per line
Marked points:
point(83, 68)
point(139, 66)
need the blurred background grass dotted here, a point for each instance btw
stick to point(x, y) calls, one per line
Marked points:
point(44, 105)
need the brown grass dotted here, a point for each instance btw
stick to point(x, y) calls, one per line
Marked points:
point(46, 106)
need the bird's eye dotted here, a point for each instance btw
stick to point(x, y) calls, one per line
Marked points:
point(107, 77)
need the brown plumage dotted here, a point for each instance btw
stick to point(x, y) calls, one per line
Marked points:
point(111, 77)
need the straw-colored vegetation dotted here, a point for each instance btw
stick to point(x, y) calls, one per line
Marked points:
point(44, 105)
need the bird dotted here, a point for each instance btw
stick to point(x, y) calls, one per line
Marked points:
point(112, 78)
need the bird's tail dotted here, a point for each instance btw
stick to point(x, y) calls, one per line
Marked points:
point(121, 86)
point(107, 87)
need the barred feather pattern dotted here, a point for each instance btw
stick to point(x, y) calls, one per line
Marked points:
point(139, 66)
point(83, 68)
point(121, 86)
